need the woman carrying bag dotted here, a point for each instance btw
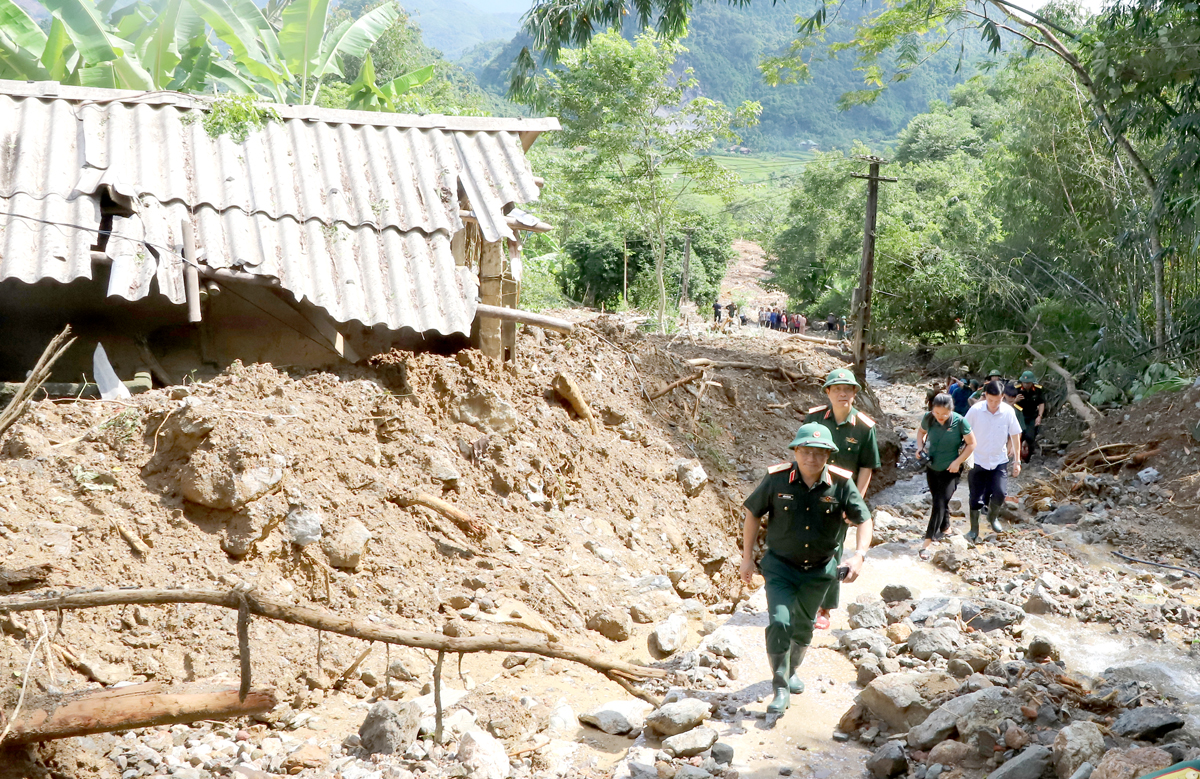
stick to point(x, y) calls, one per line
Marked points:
point(945, 443)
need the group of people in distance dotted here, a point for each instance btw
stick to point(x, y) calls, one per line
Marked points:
point(810, 501)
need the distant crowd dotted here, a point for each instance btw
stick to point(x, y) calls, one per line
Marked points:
point(775, 319)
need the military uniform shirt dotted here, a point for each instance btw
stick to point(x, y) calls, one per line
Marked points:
point(804, 524)
point(855, 438)
point(1029, 404)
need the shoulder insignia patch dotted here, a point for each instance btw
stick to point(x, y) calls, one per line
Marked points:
point(866, 419)
point(815, 409)
point(845, 474)
point(779, 467)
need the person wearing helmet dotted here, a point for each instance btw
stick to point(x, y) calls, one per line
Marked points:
point(1032, 399)
point(858, 451)
point(994, 375)
point(807, 503)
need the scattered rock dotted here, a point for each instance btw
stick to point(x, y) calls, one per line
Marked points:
point(866, 639)
point(691, 476)
point(935, 607)
point(346, 548)
point(668, 637)
point(725, 644)
point(988, 711)
point(1040, 601)
point(894, 593)
point(1131, 763)
point(690, 743)
point(1147, 723)
point(678, 717)
point(942, 723)
point(617, 717)
point(303, 526)
point(390, 727)
point(563, 722)
point(613, 624)
point(902, 700)
point(927, 642)
point(1029, 764)
point(1015, 738)
point(888, 761)
point(722, 753)
point(898, 632)
point(1067, 514)
point(975, 655)
point(483, 755)
point(1148, 476)
point(959, 669)
point(307, 756)
point(1041, 648)
point(988, 614)
point(949, 753)
point(486, 411)
point(868, 615)
point(1078, 743)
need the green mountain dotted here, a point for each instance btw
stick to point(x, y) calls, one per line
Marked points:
point(454, 26)
point(725, 45)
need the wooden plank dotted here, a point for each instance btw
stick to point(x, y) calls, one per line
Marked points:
point(491, 293)
point(323, 323)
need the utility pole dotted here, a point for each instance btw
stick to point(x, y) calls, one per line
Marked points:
point(866, 269)
point(687, 266)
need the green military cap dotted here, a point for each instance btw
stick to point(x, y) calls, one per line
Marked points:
point(841, 376)
point(996, 372)
point(1028, 376)
point(815, 435)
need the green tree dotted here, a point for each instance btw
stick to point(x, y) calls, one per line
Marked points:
point(636, 141)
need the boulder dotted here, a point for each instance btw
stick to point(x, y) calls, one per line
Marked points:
point(678, 717)
point(668, 636)
point(866, 615)
point(1078, 743)
point(1131, 763)
point(902, 700)
point(613, 624)
point(950, 753)
point(617, 717)
point(691, 476)
point(975, 655)
point(1029, 764)
point(988, 614)
point(390, 727)
point(888, 761)
point(959, 669)
point(1067, 514)
point(231, 478)
point(483, 756)
point(1147, 723)
point(940, 606)
point(988, 711)
point(1040, 601)
point(863, 638)
point(927, 642)
point(894, 593)
point(690, 743)
point(943, 722)
point(722, 753)
point(345, 548)
point(1041, 648)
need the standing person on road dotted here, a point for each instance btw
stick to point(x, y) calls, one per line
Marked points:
point(857, 452)
point(947, 439)
point(1032, 398)
point(807, 503)
point(961, 392)
point(831, 323)
point(716, 311)
point(997, 438)
point(977, 396)
point(801, 323)
point(731, 311)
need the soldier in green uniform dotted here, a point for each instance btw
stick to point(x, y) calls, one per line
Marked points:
point(992, 376)
point(1032, 398)
point(857, 449)
point(807, 503)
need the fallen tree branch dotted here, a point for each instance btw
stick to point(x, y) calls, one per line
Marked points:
point(790, 376)
point(564, 385)
point(37, 377)
point(813, 339)
point(1081, 408)
point(127, 708)
point(465, 522)
point(319, 619)
point(676, 385)
point(525, 318)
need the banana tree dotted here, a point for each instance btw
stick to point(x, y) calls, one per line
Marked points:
point(366, 95)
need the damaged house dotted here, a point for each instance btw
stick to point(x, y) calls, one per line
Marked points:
point(323, 235)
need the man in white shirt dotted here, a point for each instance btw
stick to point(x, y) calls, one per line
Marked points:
point(997, 440)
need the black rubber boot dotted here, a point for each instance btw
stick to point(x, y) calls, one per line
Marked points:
point(994, 517)
point(779, 682)
point(974, 534)
point(795, 683)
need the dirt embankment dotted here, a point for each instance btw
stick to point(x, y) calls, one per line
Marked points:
point(219, 480)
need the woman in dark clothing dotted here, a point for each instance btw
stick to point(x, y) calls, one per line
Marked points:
point(946, 438)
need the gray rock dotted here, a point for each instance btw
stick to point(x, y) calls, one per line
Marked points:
point(724, 644)
point(866, 615)
point(613, 624)
point(486, 411)
point(678, 717)
point(617, 717)
point(959, 669)
point(975, 655)
point(1040, 601)
point(1149, 475)
point(943, 722)
point(1041, 648)
point(888, 761)
point(903, 700)
point(868, 672)
point(722, 753)
point(690, 743)
point(1084, 771)
point(1147, 723)
point(483, 755)
point(894, 593)
point(863, 638)
point(1055, 585)
point(302, 526)
point(988, 614)
point(563, 722)
point(1067, 514)
point(1078, 744)
point(637, 764)
point(692, 772)
point(668, 637)
point(390, 727)
point(1028, 765)
point(924, 643)
point(691, 476)
point(935, 607)
point(346, 548)
point(988, 711)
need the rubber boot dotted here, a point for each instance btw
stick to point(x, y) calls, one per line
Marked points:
point(974, 534)
point(795, 683)
point(994, 517)
point(779, 682)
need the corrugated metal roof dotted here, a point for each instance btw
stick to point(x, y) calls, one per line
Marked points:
point(350, 210)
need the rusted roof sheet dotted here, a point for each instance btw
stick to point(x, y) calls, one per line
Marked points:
point(350, 210)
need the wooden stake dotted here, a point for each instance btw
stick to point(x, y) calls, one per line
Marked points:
point(567, 387)
point(465, 522)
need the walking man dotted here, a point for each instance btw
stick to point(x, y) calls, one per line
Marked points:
point(1032, 398)
point(997, 439)
point(807, 503)
point(857, 450)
